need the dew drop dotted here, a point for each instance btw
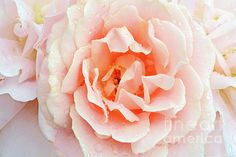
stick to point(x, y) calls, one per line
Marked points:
point(98, 147)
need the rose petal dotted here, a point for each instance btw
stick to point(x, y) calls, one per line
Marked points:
point(215, 146)
point(194, 129)
point(229, 123)
point(66, 144)
point(24, 92)
point(151, 83)
point(185, 122)
point(48, 131)
point(131, 79)
point(192, 83)
point(101, 56)
point(119, 131)
point(74, 76)
point(58, 103)
point(93, 96)
point(219, 81)
point(93, 146)
point(135, 24)
point(8, 109)
point(165, 100)
point(223, 36)
point(159, 49)
point(202, 62)
point(129, 115)
point(160, 127)
point(120, 40)
point(176, 44)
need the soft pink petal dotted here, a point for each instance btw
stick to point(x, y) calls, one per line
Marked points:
point(151, 83)
point(125, 133)
point(48, 131)
point(176, 44)
point(9, 50)
point(164, 100)
point(91, 144)
point(92, 95)
point(67, 145)
point(219, 81)
point(131, 79)
point(114, 127)
point(129, 115)
point(185, 122)
point(229, 122)
point(224, 36)
point(195, 123)
point(171, 97)
point(147, 9)
point(101, 56)
point(201, 61)
point(6, 22)
point(230, 92)
point(86, 28)
point(24, 91)
point(10, 53)
point(8, 109)
point(231, 62)
point(159, 49)
point(228, 5)
point(135, 24)
point(43, 89)
point(74, 76)
point(221, 64)
point(159, 128)
point(192, 83)
point(215, 146)
point(31, 40)
point(58, 103)
point(121, 40)
point(182, 19)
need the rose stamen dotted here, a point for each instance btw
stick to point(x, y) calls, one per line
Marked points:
point(116, 76)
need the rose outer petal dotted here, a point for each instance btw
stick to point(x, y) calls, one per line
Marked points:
point(94, 146)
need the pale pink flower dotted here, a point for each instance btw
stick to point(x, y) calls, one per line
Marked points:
point(130, 78)
point(219, 20)
point(20, 27)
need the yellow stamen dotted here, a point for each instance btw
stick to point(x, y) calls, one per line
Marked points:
point(39, 19)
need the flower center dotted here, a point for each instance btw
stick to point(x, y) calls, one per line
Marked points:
point(38, 14)
point(116, 76)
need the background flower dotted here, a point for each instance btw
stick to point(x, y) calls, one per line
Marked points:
point(20, 28)
point(219, 20)
point(127, 85)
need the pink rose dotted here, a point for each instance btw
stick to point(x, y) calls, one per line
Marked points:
point(219, 20)
point(127, 78)
point(20, 28)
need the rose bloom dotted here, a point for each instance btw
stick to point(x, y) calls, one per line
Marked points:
point(22, 23)
point(127, 78)
point(219, 21)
